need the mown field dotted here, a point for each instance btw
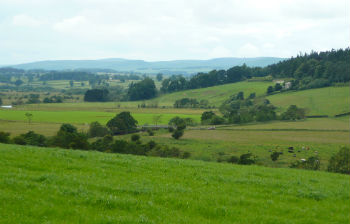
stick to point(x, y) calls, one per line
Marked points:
point(45, 185)
point(84, 117)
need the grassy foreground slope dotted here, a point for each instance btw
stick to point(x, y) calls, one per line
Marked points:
point(324, 101)
point(39, 185)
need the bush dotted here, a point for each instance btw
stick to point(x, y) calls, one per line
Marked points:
point(19, 140)
point(165, 151)
point(274, 156)
point(97, 130)
point(293, 113)
point(178, 122)
point(135, 137)
point(103, 144)
point(150, 132)
point(177, 134)
point(4, 137)
point(233, 159)
point(207, 115)
point(247, 159)
point(340, 162)
point(216, 120)
point(68, 137)
point(312, 163)
point(122, 123)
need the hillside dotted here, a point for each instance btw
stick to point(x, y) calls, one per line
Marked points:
point(63, 186)
point(216, 94)
point(167, 67)
point(323, 101)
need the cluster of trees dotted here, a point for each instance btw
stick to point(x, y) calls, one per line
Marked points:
point(191, 103)
point(238, 110)
point(212, 78)
point(315, 69)
point(70, 75)
point(123, 78)
point(209, 117)
point(177, 127)
point(96, 95)
point(53, 99)
point(145, 89)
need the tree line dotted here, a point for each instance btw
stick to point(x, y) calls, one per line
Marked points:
point(312, 70)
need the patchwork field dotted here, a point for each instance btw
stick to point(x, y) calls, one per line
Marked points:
point(44, 185)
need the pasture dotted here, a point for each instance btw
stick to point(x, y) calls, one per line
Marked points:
point(46, 185)
point(220, 144)
point(83, 117)
point(323, 101)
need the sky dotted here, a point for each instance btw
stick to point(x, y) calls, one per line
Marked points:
point(156, 30)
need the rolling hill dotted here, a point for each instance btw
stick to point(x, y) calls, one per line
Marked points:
point(167, 67)
point(46, 185)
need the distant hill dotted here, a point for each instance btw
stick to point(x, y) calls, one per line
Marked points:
point(166, 67)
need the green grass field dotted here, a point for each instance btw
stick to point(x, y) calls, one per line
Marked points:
point(216, 94)
point(340, 123)
point(212, 145)
point(82, 117)
point(324, 101)
point(44, 185)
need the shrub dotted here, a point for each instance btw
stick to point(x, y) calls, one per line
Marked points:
point(150, 132)
point(186, 155)
point(312, 163)
point(68, 137)
point(207, 115)
point(233, 159)
point(247, 159)
point(178, 122)
point(135, 137)
point(177, 134)
point(122, 123)
point(340, 162)
point(274, 156)
point(216, 120)
point(103, 144)
point(97, 130)
point(293, 113)
point(19, 140)
point(4, 137)
point(165, 151)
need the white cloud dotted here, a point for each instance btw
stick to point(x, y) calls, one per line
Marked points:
point(166, 29)
point(70, 24)
point(248, 50)
point(25, 20)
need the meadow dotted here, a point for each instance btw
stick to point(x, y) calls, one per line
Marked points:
point(85, 117)
point(47, 185)
point(323, 101)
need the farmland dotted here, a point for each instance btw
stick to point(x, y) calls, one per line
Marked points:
point(324, 136)
point(73, 186)
point(324, 101)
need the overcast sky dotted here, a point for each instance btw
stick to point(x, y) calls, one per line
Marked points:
point(32, 30)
